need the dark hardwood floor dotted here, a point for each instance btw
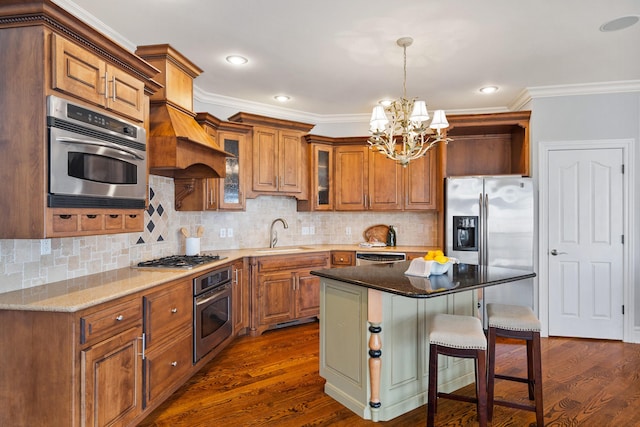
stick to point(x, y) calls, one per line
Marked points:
point(273, 380)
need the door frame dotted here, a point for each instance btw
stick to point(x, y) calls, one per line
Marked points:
point(627, 145)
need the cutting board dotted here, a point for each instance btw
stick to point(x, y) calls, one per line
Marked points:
point(376, 233)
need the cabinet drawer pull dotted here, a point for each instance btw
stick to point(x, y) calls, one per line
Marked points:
point(91, 216)
point(65, 216)
point(174, 363)
point(133, 216)
point(119, 317)
point(174, 310)
point(113, 216)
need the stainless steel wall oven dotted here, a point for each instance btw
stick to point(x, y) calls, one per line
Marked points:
point(95, 160)
point(212, 307)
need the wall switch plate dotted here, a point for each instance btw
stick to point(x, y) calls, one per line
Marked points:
point(45, 246)
point(312, 230)
point(348, 231)
point(305, 231)
point(229, 232)
point(223, 232)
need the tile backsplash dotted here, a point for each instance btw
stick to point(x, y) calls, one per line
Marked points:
point(22, 265)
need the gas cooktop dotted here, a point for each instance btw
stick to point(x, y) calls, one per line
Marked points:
point(180, 261)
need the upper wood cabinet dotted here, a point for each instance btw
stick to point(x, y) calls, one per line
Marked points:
point(228, 193)
point(352, 177)
point(421, 182)
point(488, 144)
point(357, 178)
point(366, 180)
point(321, 175)
point(82, 74)
point(54, 53)
point(278, 156)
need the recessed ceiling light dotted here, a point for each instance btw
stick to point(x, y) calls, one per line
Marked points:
point(489, 89)
point(619, 23)
point(385, 102)
point(237, 59)
point(282, 98)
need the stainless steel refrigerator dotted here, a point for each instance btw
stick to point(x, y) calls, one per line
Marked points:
point(490, 221)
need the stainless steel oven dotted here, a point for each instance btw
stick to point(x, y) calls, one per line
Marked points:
point(95, 160)
point(212, 317)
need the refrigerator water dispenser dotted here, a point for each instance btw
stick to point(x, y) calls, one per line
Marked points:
point(465, 233)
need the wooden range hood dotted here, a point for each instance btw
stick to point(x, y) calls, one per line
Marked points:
point(178, 146)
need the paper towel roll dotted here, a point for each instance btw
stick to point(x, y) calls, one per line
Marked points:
point(193, 246)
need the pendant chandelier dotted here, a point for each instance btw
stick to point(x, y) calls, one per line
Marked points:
point(407, 124)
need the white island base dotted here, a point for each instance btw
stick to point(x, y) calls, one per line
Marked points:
point(374, 348)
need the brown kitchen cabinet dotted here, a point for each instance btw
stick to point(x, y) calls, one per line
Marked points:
point(278, 156)
point(283, 290)
point(240, 309)
point(343, 258)
point(421, 183)
point(228, 193)
point(168, 328)
point(366, 180)
point(66, 57)
point(78, 72)
point(111, 376)
point(488, 144)
point(321, 175)
point(65, 222)
point(82, 368)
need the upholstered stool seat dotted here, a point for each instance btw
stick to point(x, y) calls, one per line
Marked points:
point(518, 322)
point(457, 336)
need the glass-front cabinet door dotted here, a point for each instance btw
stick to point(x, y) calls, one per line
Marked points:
point(322, 179)
point(231, 189)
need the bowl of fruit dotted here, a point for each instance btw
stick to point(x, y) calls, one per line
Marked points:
point(439, 262)
point(433, 263)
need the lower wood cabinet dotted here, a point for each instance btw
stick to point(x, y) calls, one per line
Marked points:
point(96, 367)
point(166, 366)
point(240, 297)
point(283, 289)
point(168, 326)
point(111, 380)
point(343, 258)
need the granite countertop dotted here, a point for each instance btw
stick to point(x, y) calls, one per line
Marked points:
point(391, 278)
point(72, 295)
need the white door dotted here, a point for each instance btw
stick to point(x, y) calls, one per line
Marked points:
point(585, 257)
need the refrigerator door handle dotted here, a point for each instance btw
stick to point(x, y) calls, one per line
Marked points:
point(485, 230)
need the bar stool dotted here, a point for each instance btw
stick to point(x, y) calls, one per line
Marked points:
point(518, 322)
point(457, 336)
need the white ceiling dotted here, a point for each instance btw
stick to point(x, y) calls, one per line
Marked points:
point(339, 57)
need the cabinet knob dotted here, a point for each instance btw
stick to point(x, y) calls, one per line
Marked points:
point(174, 310)
point(174, 363)
point(119, 317)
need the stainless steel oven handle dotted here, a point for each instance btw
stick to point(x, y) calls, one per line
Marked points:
point(103, 144)
point(215, 295)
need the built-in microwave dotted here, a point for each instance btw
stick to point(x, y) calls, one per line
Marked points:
point(95, 160)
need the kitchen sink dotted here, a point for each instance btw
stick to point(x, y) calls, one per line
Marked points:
point(283, 249)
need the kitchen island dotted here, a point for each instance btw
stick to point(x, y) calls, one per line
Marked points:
point(374, 323)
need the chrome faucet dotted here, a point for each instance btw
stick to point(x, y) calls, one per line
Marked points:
point(273, 235)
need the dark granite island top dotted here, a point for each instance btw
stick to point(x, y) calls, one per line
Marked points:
point(391, 278)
